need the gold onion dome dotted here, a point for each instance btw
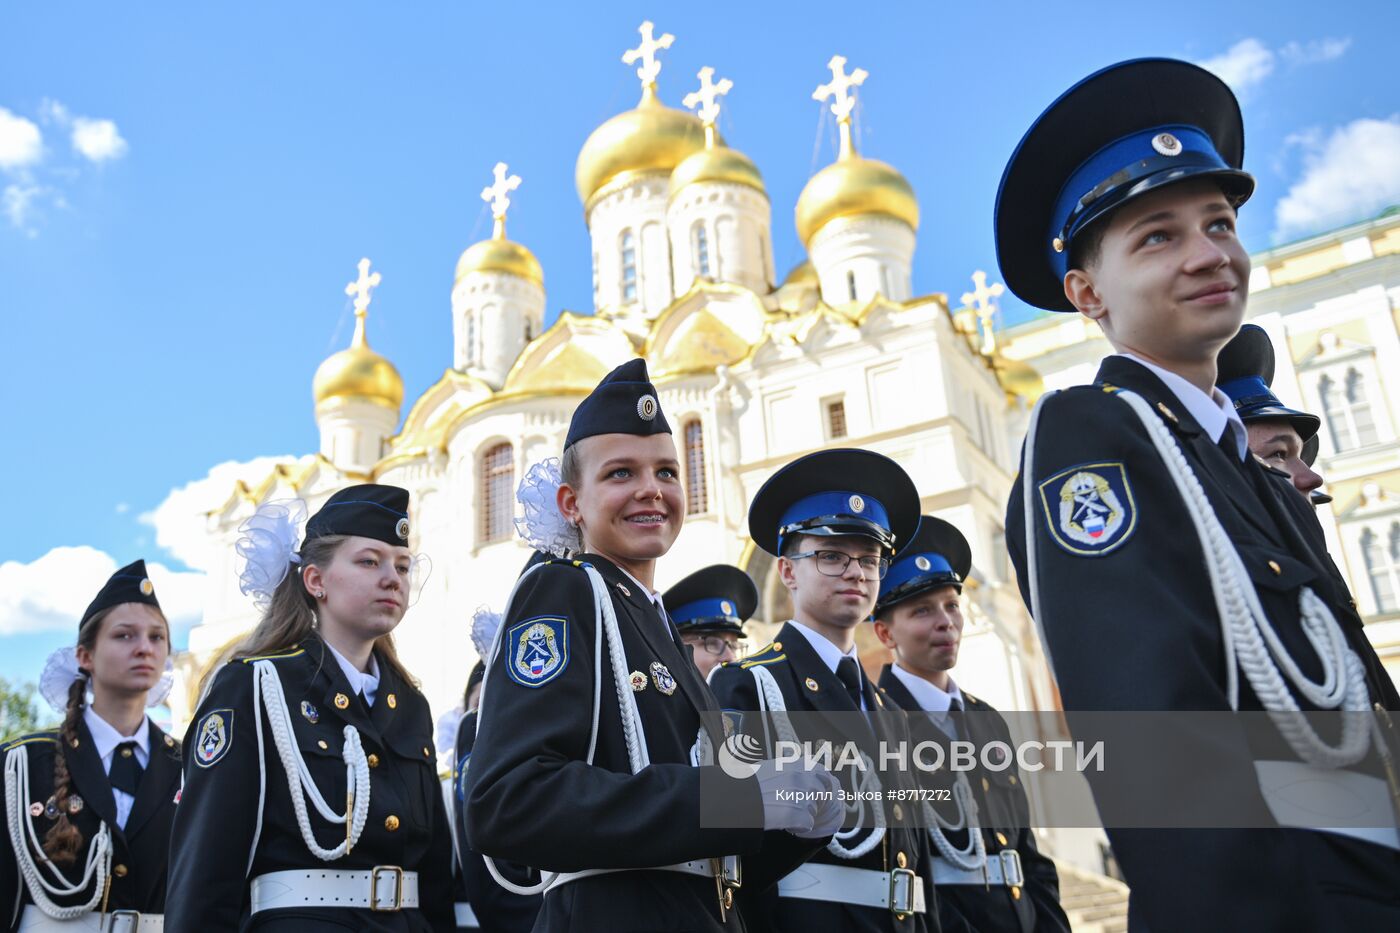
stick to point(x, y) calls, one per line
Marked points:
point(802, 274)
point(718, 164)
point(650, 139)
point(852, 185)
point(499, 254)
point(358, 372)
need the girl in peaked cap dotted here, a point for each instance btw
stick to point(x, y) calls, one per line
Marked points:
point(311, 799)
point(89, 804)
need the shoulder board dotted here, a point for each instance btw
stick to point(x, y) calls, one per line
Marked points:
point(564, 562)
point(275, 656)
point(1109, 388)
point(50, 737)
point(768, 655)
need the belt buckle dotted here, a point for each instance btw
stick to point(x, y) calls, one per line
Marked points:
point(132, 920)
point(1011, 868)
point(729, 877)
point(902, 892)
point(374, 874)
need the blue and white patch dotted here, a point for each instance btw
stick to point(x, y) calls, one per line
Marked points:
point(539, 650)
point(213, 738)
point(1089, 508)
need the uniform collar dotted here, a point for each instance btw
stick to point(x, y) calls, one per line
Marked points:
point(652, 596)
point(825, 649)
point(106, 738)
point(362, 683)
point(926, 694)
point(1215, 413)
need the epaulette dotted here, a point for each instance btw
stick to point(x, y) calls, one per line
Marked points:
point(768, 654)
point(30, 738)
point(275, 656)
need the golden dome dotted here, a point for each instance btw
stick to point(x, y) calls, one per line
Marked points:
point(1019, 378)
point(717, 163)
point(358, 372)
point(651, 138)
point(802, 274)
point(854, 185)
point(500, 255)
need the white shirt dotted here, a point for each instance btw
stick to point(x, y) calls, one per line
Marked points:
point(650, 594)
point(361, 682)
point(106, 738)
point(931, 699)
point(829, 653)
point(1214, 413)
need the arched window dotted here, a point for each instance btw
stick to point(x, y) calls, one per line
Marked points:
point(628, 247)
point(1348, 411)
point(696, 497)
point(702, 250)
point(851, 285)
point(1382, 556)
point(471, 338)
point(497, 486)
point(529, 330)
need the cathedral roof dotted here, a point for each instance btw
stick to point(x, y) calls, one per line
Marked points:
point(649, 139)
point(358, 372)
point(500, 255)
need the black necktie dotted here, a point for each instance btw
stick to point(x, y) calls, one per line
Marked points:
point(849, 674)
point(1228, 446)
point(126, 769)
point(955, 705)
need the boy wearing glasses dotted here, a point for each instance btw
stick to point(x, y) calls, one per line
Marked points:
point(709, 609)
point(834, 519)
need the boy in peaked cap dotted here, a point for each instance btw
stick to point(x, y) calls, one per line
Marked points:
point(709, 609)
point(1120, 204)
point(591, 712)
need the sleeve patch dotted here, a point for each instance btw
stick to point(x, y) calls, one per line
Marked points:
point(1089, 509)
point(537, 650)
point(213, 738)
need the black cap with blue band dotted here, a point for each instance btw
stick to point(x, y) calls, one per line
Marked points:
point(718, 598)
point(938, 556)
point(1245, 373)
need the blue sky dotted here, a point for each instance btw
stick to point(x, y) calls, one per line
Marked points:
point(174, 248)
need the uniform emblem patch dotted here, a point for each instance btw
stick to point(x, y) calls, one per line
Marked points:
point(638, 680)
point(539, 650)
point(213, 738)
point(1089, 508)
point(662, 678)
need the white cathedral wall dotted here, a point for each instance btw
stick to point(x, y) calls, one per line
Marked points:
point(353, 432)
point(639, 207)
point(736, 220)
point(491, 314)
point(875, 252)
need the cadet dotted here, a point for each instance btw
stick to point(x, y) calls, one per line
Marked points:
point(994, 879)
point(1152, 552)
point(832, 519)
point(311, 797)
point(89, 804)
point(709, 609)
point(1278, 435)
point(591, 712)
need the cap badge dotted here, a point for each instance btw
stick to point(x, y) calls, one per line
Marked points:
point(1166, 144)
point(922, 563)
point(147, 588)
point(401, 529)
point(857, 504)
point(638, 680)
point(646, 407)
point(726, 607)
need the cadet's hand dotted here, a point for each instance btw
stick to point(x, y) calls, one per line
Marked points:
point(804, 802)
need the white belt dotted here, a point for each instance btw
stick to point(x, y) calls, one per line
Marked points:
point(382, 888)
point(113, 921)
point(1305, 797)
point(1001, 868)
point(898, 891)
point(727, 870)
point(466, 917)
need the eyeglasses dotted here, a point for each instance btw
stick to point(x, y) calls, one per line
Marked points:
point(718, 644)
point(834, 563)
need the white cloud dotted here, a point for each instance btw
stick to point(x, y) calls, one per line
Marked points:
point(51, 111)
point(1246, 64)
point(21, 143)
point(17, 202)
point(51, 592)
point(1352, 175)
point(97, 140)
point(1311, 53)
point(180, 521)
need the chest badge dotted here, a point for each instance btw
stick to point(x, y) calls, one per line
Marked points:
point(638, 680)
point(36, 809)
point(75, 805)
point(311, 714)
point(811, 684)
point(662, 678)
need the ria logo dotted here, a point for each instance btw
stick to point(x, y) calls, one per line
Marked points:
point(740, 755)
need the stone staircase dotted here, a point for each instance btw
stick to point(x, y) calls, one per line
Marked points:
point(1094, 903)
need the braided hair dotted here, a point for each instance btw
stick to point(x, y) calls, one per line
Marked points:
point(64, 841)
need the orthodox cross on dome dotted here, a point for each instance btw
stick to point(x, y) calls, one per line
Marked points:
point(360, 289)
point(646, 51)
point(497, 195)
point(980, 300)
point(707, 98)
point(839, 88)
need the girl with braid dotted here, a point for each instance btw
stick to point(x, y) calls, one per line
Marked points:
point(89, 806)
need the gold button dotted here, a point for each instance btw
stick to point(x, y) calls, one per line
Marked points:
point(986, 786)
point(373, 760)
point(119, 870)
point(341, 701)
point(74, 743)
point(728, 898)
point(391, 822)
point(901, 860)
point(393, 701)
point(427, 752)
point(1058, 245)
point(1001, 838)
point(777, 646)
point(1013, 780)
point(126, 753)
point(170, 742)
point(1015, 892)
point(1273, 565)
point(898, 812)
point(322, 743)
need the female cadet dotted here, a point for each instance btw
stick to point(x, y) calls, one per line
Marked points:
point(88, 806)
point(583, 762)
point(311, 798)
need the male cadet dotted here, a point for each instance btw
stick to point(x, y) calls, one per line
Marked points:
point(1278, 435)
point(1161, 564)
point(833, 519)
point(1000, 881)
point(709, 609)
